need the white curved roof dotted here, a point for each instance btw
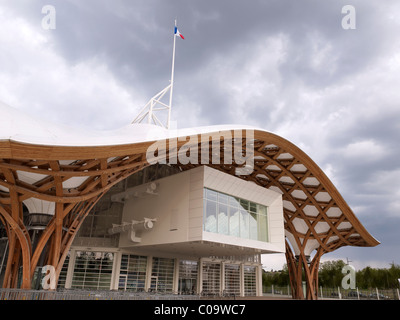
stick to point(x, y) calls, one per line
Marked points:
point(315, 213)
point(18, 126)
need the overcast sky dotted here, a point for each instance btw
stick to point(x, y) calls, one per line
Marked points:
point(289, 67)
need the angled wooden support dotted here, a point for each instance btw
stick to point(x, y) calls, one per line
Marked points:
point(72, 203)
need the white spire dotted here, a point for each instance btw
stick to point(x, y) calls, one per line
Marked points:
point(155, 104)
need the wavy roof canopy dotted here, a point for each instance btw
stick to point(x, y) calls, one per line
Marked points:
point(316, 215)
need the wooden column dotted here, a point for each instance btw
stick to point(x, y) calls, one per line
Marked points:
point(72, 205)
point(301, 268)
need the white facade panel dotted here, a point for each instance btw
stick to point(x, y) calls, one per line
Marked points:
point(178, 210)
point(170, 207)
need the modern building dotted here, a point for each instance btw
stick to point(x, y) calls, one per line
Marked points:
point(198, 231)
point(144, 208)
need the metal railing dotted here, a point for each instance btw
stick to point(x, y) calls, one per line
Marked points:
point(339, 293)
point(277, 291)
point(20, 294)
point(359, 294)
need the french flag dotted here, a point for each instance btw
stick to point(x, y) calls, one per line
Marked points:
point(177, 33)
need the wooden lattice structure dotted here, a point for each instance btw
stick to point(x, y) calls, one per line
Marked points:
point(74, 178)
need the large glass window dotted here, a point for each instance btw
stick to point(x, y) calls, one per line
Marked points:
point(188, 272)
point(225, 214)
point(162, 275)
point(132, 273)
point(232, 279)
point(250, 284)
point(211, 278)
point(93, 270)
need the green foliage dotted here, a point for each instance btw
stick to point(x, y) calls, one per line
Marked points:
point(330, 276)
point(378, 278)
point(277, 278)
point(330, 273)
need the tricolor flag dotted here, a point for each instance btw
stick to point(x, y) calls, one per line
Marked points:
point(177, 33)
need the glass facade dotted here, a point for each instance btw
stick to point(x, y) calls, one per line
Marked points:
point(250, 287)
point(232, 279)
point(225, 214)
point(211, 278)
point(162, 275)
point(63, 274)
point(188, 273)
point(132, 275)
point(93, 270)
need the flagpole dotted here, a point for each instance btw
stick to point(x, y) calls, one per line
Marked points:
point(172, 79)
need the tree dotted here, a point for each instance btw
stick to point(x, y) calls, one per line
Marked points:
point(394, 275)
point(330, 276)
point(276, 278)
point(330, 273)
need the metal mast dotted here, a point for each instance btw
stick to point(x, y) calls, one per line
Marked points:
point(155, 103)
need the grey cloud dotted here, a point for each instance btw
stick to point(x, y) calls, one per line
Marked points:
point(298, 93)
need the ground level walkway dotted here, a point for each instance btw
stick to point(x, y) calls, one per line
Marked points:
point(20, 294)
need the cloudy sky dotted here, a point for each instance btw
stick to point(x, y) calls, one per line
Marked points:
point(289, 67)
